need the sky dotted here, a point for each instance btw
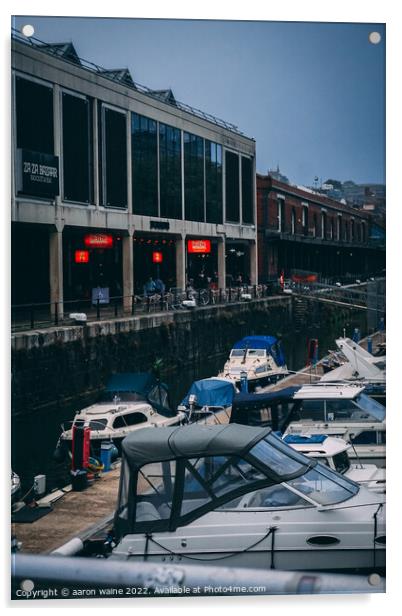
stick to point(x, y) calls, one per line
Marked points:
point(312, 95)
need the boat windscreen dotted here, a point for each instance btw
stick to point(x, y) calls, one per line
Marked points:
point(324, 486)
point(370, 406)
point(278, 457)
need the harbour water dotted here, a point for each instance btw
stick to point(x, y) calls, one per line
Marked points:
point(34, 437)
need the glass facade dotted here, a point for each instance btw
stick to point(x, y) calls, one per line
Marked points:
point(170, 172)
point(194, 177)
point(144, 148)
point(77, 149)
point(213, 182)
point(34, 110)
point(115, 159)
point(247, 190)
point(232, 186)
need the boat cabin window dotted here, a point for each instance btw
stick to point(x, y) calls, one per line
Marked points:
point(130, 419)
point(256, 353)
point(277, 456)
point(341, 462)
point(323, 486)
point(338, 410)
point(155, 485)
point(237, 352)
point(98, 424)
point(367, 437)
point(213, 476)
point(372, 408)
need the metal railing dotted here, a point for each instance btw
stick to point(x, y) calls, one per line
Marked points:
point(57, 577)
point(43, 315)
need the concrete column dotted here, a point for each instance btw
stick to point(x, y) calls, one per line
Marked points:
point(95, 151)
point(56, 271)
point(253, 263)
point(222, 263)
point(129, 164)
point(57, 111)
point(128, 271)
point(181, 262)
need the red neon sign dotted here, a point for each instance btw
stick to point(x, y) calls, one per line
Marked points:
point(157, 257)
point(81, 256)
point(98, 240)
point(199, 246)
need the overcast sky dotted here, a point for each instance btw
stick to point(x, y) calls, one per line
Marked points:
point(312, 95)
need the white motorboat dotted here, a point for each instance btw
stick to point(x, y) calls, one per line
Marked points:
point(258, 359)
point(130, 401)
point(234, 495)
point(333, 452)
point(332, 409)
point(359, 366)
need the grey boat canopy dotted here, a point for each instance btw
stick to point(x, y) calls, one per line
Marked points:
point(146, 446)
point(174, 475)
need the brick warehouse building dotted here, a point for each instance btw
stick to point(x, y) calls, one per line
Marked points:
point(307, 231)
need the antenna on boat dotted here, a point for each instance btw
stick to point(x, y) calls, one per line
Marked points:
point(354, 449)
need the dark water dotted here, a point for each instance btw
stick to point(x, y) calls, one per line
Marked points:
point(34, 437)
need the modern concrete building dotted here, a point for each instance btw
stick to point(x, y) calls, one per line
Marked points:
point(113, 182)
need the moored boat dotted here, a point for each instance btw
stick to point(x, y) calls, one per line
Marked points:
point(234, 495)
point(130, 401)
point(259, 359)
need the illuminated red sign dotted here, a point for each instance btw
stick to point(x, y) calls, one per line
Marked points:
point(98, 240)
point(81, 256)
point(157, 257)
point(199, 246)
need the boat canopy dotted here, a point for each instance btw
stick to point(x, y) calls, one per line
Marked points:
point(172, 476)
point(269, 343)
point(145, 385)
point(251, 401)
point(272, 409)
point(145, 446)
point(211, 392)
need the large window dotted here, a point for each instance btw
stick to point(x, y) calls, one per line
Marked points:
point(144, 147)
point(232, 187)
point(115, 158)
point(77, 148)
point(194, 177)
point(170, 171)
point(34, 109)
point(213, 181)
point(247, 190)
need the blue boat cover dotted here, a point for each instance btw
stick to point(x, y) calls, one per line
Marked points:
point(271, 344)
point(298, 439)
point(211, 392)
